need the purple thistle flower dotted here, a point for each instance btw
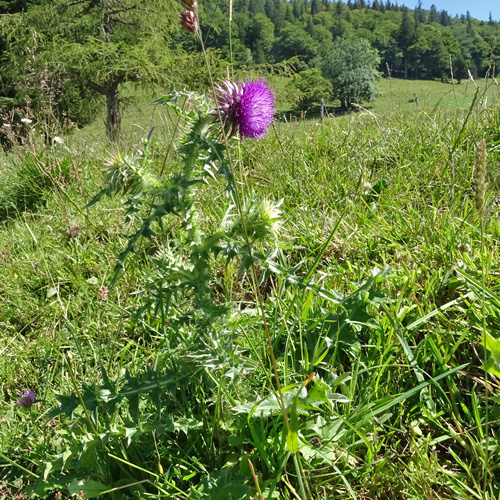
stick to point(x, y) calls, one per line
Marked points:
point(245, 106)
point(26, 399)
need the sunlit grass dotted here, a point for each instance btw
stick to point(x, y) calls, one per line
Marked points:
point(415, 239)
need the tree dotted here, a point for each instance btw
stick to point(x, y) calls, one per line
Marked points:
point(98, 45)
point(430, 56)
point(260, 38)
point(434, 14)
point(295, 41)
point(351, 65)
point(309, 87)
point(406, 38)
point(444, 18)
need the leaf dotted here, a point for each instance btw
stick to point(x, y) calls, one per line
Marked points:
point(292, 437)
point(337, 398)
point(493, 345)
point(89, 487)
point(67, 405)
point(492, 365)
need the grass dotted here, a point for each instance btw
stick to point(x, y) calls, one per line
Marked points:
point(397, 94)
point(388, 314)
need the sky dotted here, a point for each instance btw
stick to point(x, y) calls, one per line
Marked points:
point(480, 9)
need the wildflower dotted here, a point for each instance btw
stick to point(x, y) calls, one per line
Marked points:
point(464, 248)
point(6, 125)
point(57, 140)
point(103, 293)
point(189, 21)
point(367, 188)
point(58, 495)
point(247, 106)
point(26, 120)
point(26, 399)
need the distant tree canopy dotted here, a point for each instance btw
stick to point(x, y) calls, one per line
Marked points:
point(309, 87)
point(77, 54)
point(412, 43)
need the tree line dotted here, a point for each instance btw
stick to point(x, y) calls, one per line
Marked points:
point(64, 59)
point(412, 43)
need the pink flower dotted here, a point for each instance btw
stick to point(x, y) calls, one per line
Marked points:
point(26, 399)
point(245, 106)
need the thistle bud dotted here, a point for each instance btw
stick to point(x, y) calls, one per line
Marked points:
point(189, 21)
point(190, 5)
point(480, 180)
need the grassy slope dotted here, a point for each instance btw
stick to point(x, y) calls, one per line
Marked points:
point(399, 94)
point(56, 255)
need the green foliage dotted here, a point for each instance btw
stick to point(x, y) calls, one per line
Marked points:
point(375, 304)
point(25, 189)
point(351, 66)
point(294, 41)
point(309, 87)
point(81, 49)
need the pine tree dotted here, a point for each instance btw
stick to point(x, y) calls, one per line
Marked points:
point(433, 14)
point(106, 44)
point(406, 37)
point(444, 18)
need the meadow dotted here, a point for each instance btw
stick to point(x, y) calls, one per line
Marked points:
point(370, 291)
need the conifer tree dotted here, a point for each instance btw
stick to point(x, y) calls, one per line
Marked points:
point(99, 45)
point(406, 37)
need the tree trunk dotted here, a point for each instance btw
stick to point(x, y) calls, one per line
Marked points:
point(405, 56)
point(114, 118)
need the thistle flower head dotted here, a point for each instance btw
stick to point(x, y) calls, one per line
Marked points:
point(263, 220)
point(245, 106)
point(26, 399)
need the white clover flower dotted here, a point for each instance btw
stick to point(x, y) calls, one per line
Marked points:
point(26, 120)
point(367, 188)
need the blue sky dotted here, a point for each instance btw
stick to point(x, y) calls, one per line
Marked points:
point(479, 9)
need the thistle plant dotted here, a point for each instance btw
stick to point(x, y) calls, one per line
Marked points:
point(184, 269)
point(247, 108)
point(154, 197)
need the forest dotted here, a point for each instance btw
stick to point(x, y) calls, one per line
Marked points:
point(66, 58)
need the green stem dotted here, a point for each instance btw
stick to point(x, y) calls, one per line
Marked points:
point(299, 476)
point(257, 293)
point(483, 326)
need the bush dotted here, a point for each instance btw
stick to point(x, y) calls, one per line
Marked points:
point(308, 87)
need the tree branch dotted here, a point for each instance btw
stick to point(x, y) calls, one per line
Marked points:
point(95, 86)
